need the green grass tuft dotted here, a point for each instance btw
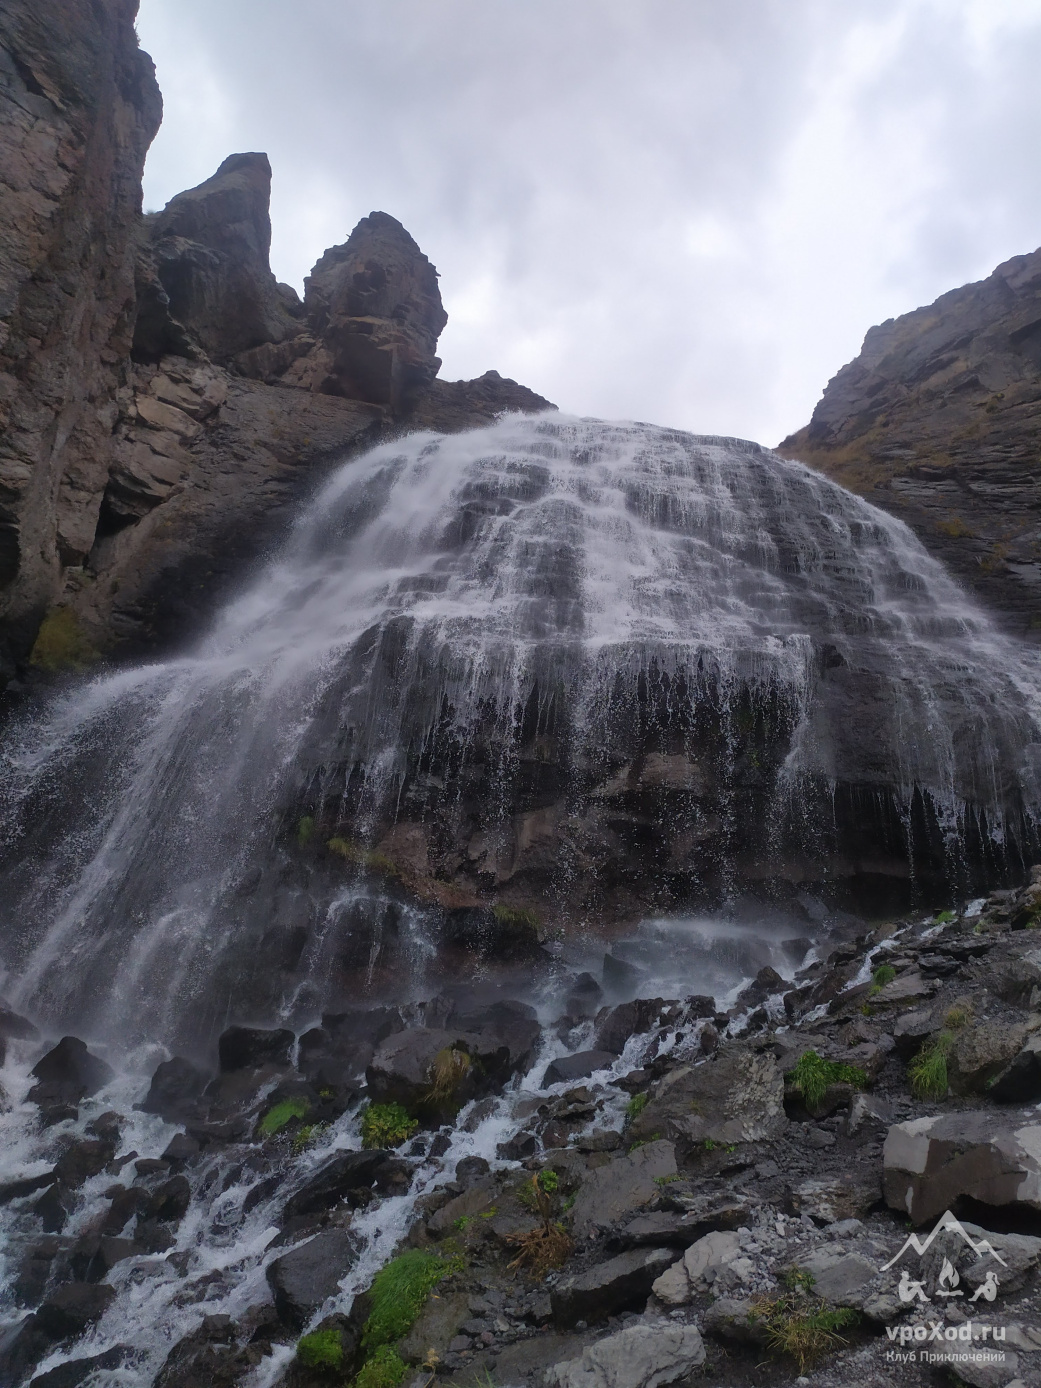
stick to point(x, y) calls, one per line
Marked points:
point(399, 1291)
point(944, 917)
point(383, 1369)
point(927, 1073)
point(635, 1107)
point(885, 973)
point(801, 1330)
point(514, 918)
point(321, 1350)
point(278, 1117)
point(386, 1125)
point(812, 1076)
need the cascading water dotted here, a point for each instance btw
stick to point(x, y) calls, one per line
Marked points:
point(628, 653)
point(509, 641)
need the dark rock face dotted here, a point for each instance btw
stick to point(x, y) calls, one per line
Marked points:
point(607, 1288)
point(578, 1067)
point(347, 1172)
point(207, 252)
point(68, 1073)
point(78, 108)
point(175, 1089)
point(937, 420)
point(248, 1048)
point(301, 1280)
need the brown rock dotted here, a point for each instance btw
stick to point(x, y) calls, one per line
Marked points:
point(375, 304)
point(78, 109)
point(206, 256)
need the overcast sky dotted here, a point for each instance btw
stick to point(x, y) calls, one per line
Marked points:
point(682, 211)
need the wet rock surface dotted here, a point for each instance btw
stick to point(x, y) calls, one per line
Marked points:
point(677, 1250)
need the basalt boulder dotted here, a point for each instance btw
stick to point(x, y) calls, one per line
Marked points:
point(68, 1073)
point(176, 1088)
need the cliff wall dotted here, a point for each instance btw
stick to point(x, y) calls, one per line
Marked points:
point(938, 420)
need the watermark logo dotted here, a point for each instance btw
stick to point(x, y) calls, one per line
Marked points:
point(934, 1281)
point(947, 1284)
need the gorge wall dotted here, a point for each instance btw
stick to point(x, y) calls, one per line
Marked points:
point(939, 422)
point(163, 399)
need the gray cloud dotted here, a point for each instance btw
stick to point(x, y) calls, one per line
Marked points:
point(674, 210)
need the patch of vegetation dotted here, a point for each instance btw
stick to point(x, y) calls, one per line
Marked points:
point(813, 1075)
point(321, 1350)
point(796, 1279)
point(464, 1222)
point(927, 1073)
point(386, 1125)
point(309, 1133)
point(399, 1291)
point(447, 1071)
point(543, 1182)
point(802, 1330)
point(363, 857)
point(955, 528)
point(885, 973)
point(62, 644)
point(635, 1107)
point(548, 1245)
point(278, 1117)
point(305, 830)
point(944, 917)
point(383, 1369)
point(513, 918)
point(958, 1016)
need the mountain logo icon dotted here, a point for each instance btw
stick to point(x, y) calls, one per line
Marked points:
point(946, 1222)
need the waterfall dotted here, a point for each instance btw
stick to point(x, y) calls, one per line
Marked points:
point(546, 617)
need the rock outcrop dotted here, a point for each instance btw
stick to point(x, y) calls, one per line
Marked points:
point(203, 275)
point(163, 400)
point(79, 106)
point(938, 421)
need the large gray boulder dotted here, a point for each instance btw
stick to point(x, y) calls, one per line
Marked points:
point(625, 1184)
point(738, 1096)
point(640, 1356)
point(991, 1157)
point(698, 1269)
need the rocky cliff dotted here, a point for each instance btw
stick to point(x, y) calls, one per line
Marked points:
point(79, 106)
point(163, 400)
point(939, 421)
